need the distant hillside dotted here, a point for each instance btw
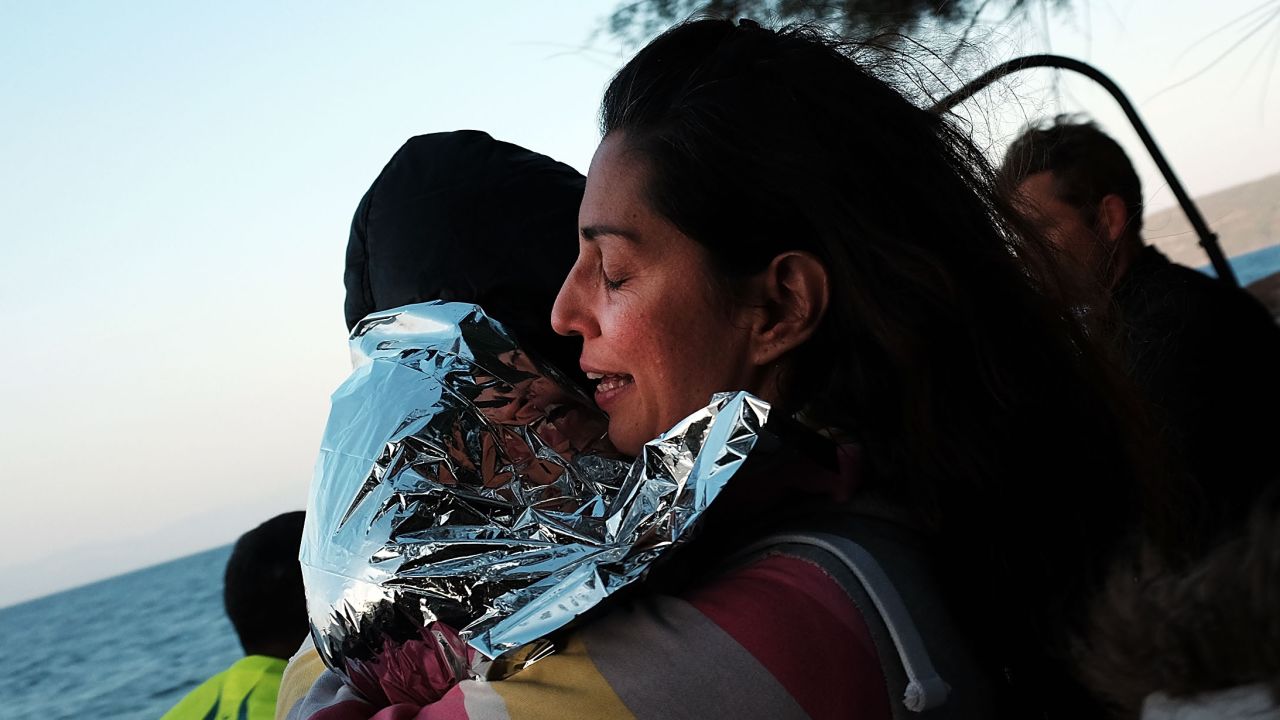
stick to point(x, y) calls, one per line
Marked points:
point(1245, 217)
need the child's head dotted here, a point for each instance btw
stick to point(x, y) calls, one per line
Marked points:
point(459, 216)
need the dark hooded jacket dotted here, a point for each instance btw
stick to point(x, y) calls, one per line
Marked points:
point(460, 216)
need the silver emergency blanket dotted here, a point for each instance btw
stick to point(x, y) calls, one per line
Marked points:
point(466, 505)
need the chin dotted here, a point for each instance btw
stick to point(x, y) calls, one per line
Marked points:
point(628, 440)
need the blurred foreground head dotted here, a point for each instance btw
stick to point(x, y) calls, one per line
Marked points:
point(263, 588)
point(1201, 640)
point(459, 216)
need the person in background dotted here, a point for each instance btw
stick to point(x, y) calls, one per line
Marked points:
point(1206, 355)
point(460, 216)
point(264, 600)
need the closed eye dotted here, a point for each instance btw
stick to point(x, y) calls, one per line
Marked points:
point(610, 284)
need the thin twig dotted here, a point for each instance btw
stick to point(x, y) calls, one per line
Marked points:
point(1266, 84)
point(1215, 61)
point(1223, 28)
point(964, 37)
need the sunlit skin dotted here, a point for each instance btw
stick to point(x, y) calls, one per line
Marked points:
point(641, 295)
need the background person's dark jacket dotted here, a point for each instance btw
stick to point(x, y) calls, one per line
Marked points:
point(1208, 358)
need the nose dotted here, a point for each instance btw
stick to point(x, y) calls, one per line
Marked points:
point(569, 314)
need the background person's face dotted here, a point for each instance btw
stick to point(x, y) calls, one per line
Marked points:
point(643, 298)
point(1062, 224)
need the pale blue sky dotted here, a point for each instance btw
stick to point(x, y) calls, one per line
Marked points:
point(176, 185)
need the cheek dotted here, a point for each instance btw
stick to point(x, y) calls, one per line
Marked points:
point(1077, 240)
point(651, 348)
point(635, 326)
point(689, 365)
point(647, 351)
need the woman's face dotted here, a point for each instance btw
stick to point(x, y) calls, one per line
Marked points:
point(656, 332)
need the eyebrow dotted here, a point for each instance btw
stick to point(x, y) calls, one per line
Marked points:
point(592, 232)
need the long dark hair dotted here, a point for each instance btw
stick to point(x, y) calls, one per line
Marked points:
point(946, 351)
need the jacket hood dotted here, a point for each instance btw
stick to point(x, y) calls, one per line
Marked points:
point(460, 216)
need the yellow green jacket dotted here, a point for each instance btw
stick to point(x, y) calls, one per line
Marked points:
point(245, 691)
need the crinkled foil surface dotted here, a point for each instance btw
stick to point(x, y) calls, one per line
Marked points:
point(465, 504)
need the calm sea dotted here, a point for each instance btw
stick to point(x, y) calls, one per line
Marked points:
point(126, 647)
point(1253, 266)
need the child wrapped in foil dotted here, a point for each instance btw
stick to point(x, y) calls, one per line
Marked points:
point(466, 504)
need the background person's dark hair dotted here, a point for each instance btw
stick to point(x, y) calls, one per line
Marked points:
point(976, 395)
point(262, 589)
point(1087, 165)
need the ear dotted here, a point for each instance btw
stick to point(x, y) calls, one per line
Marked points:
point(1113, 217)
point(794, 292)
